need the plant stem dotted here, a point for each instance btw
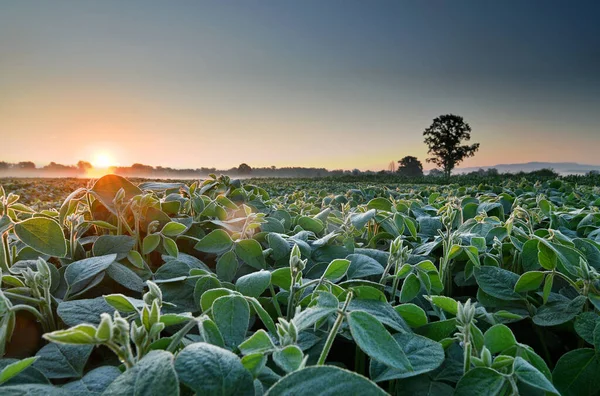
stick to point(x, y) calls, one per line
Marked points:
point(334, 330)
point(275, 302)
point(177, 337)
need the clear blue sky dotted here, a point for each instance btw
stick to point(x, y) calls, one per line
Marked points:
point(339, 84)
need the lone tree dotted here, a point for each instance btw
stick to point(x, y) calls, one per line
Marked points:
point(244, 169)
point(410, 166)
point(444, 138)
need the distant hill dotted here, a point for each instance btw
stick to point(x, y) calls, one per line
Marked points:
point(564, 168)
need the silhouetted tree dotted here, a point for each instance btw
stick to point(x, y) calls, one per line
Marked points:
point(244, 169)
point(444, 138)
point(410, 166)
point(84, 166)
point(26, 165)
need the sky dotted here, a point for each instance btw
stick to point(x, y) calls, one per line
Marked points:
point(324, 83)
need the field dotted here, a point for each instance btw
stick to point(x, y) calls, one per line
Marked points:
point(277, 287)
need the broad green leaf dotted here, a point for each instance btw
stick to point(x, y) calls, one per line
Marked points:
point(585, 324)
point(372, 337)
point(558, 312)
point(446, 303)
point(336, 270)
point(362, 266)
point(529, 281)
point(94, 382)
point(576, 373)
point(109, 244)
point(482, 381)
point(43, 235)
point(170, 247)
point(498, 282)
point(227, 266)
point(410, 288)
point(172, 229)
point(531, 376)
point(289, 358)
point(210, 370)
point(13, 369)
point(63, 360)
point(359, 220)
point(150, 243)
point(327, 381)
point(250, 252)
point(106, 188)
point(423, 354)
point(232, 316)
point(258, 342)
point(153, 375)
point(311, 224)
point(413, 315)
point(498, 338)
point(217, 241)
point(254, 363)
point(253, 284)
point(82, 271)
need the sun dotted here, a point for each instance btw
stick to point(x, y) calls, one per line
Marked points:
point(102, 161)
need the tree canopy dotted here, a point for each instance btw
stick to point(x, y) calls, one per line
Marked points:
point(410, 166)
point(444, 138)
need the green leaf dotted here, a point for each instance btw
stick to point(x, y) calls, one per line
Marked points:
point(362, 266)
point(94, 382)
point(253, 284)
point(82, 334)
point(81, 272)
point(109, 244)
point(372, 337)
point(43, 235)
point(209, 296)
point(227, 266)
point(585, 324)
point(63, 360)
point(154, 374)
point(106, 188)
point(498, 338)
point(423, 354)
point(289, 358)
point(528, 374)
point(210, 370)
point(327, 381)
point(448, 304)
point(310, 224)
point(282, 278)
point(529, 281)
point(232, 316)
point(254, 363)
point(359, 220)
point(576, 373)
point(13, 369)
point(258, 342)
point(172, 229)
point(413, 315)
point(410, 288)
point(150, 243)
point(170, 247)
point(83, 311)
point(481, 381)
point(498, 282)
point(250, 251)
point(280, 246)
point(216, 241)
point(336, 270)
point(558, 312)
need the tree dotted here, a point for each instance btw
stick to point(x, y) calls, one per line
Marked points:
point(410, 166)
point(436, 173)
point(84, 166)
point(244, 169)
point(444, 138)
point(26, 165)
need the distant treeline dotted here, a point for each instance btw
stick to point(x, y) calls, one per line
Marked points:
point(435, 176)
